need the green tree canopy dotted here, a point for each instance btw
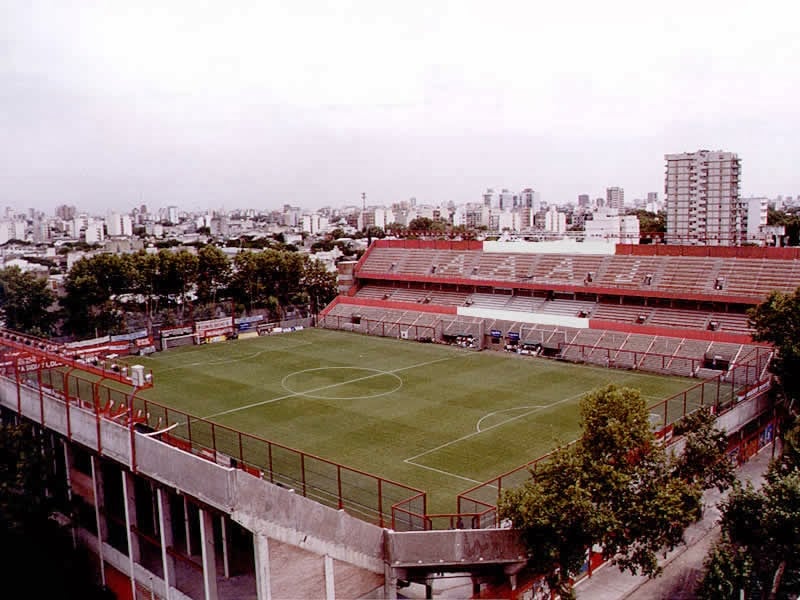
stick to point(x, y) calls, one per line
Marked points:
point(214, 273)
point(25, 300)
point(31, 540)
point(758, 554)
point(615, 486)
point(777, 320)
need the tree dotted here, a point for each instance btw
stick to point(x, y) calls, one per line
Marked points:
point(29, 495)
point(25, 300)
point(651, 223)
point(790, 221)
point(777, 320)
point(92, 286)
point(319, 284)
point(758, 555)
point(703, 460)
point(420, 224)
point(615, 486)
point(214, 272)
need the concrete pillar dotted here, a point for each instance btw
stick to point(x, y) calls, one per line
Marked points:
point(208, 555)
point(187, 527)
point(67, 477)
point(68, 466)
point(165, 527)
point(330, 584)
point(261, 559)
point(226, 567)
point(154, 502)
point(476, 586)
point(129, 498)
point(390, 583)
point(428, 590)
point(99, 516)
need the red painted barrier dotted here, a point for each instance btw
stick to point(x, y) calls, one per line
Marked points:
point(674, 332)
point(388, 304)
point(708, 251)
point(429, 244)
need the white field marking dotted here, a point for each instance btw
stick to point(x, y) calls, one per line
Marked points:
point(377, 372)
point(474, 433)
point(326, 387)
point(497, 412)
point(233, 360)
point(448, 473)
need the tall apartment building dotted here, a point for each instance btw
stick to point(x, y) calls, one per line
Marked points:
point(702, 196)
point(615, 198)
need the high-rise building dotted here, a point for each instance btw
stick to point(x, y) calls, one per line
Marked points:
point(65, 212)
point(584, 201)
point(528, 198)
point(702, 199)
point(754, 212)
point(119, 225)
point(615, 198)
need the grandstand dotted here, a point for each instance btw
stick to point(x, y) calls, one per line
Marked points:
point(655, 308)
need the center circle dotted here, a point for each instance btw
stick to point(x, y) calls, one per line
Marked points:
point(388, 382)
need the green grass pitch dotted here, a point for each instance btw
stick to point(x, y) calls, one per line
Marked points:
point(434, 417)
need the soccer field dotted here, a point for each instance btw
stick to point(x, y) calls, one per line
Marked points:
point(434, 417)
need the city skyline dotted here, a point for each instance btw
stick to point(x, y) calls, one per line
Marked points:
point(238, 105)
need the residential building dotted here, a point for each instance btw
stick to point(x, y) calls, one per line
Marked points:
point(607, 225)
point(702, 199)
point(615, 198)
point(754, 211)
point(119, 225)
point(554, 221)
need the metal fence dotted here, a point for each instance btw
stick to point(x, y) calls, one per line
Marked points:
point(369, 497)
point(722, 393)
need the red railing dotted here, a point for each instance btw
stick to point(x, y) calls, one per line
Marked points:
point(35, 350)
point(379, 327)
point(370, 497)
point(722, 392)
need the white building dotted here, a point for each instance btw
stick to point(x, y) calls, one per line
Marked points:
point(554, 221)
point(172, 214)
point(702, 199)
point(383, 217)
point(608, 226)
point(529, 198)
point(615, 198)
point(755, 218)
point(119, 225)
point(94, 233)
point(11, 230)
point(314, 223)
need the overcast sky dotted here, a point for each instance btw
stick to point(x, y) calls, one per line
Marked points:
point(230, 104)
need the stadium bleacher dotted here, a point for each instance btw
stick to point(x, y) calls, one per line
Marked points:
point(659, 311)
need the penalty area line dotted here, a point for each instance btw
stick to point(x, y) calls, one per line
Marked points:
point(441, 472)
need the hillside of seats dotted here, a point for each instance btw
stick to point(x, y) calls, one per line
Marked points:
point(604, 310)
point(665, 309)
point(662, 354)
point(707, 278)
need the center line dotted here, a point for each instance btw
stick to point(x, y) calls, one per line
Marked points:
point(327, 387)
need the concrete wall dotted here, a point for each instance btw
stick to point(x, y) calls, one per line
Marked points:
point(743, 412)
point(198, 477)
point(329, 540)
point(454, 547)
point(290, 518)
point(521, 317)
